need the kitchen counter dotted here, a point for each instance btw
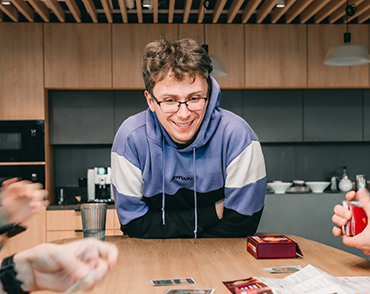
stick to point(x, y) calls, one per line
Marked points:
point(71, 207)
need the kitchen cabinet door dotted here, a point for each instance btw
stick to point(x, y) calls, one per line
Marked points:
point(225, 43)
point(275, 115)
point(78, 55)
point(81, 117)
point(127, 103)
point(275, 56)
point(232, 100)
point(323, 37)
point(34, 235)
point(332, 115)
point(366, 95)
point(21, 67)
point(129, 41)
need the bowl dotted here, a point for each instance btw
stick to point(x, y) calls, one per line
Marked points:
point(317, 187)
point(279, 187)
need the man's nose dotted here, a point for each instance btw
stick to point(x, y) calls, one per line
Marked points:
point(183, 110)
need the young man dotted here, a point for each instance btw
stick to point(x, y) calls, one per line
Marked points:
point(185, 167)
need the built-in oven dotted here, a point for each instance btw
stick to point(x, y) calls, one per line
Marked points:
point(22, 141)
point(34, 173)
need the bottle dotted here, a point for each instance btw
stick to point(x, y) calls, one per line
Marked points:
point(334, 183)
point(345, 183)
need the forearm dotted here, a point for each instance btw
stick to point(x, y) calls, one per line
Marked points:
point(233, 225)
point(177, 223)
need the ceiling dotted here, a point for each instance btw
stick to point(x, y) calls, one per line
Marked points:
point(184, 11)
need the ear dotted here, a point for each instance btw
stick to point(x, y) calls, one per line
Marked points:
point(149, 100)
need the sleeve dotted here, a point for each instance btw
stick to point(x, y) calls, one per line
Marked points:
point(245, 187)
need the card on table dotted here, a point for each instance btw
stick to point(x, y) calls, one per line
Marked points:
point(190, 291)
point(168, 282)
point(283, 269)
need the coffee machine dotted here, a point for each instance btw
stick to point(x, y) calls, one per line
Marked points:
point(99, 187)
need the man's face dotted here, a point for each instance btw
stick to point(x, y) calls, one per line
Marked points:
point(183, 124)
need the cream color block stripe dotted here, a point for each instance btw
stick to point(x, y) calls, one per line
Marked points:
point(126, 177)
point(247, 168)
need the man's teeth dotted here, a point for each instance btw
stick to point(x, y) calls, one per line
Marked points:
point(183, 125)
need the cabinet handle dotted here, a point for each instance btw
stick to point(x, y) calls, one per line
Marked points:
point(78, 231)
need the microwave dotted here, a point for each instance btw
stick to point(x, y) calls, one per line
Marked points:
point(22, 141)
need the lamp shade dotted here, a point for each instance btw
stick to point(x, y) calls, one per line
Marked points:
point(218, 68)
point(347, 55)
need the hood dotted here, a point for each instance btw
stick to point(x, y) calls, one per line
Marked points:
point(155, 130)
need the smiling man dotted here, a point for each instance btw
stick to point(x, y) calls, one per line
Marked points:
point(186, 167)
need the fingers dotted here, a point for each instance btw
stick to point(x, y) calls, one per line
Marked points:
point(337, 231)
point(341, 216)
point(351, 195)
point(9, 182)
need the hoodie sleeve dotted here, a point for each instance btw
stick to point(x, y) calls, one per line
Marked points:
point(245, 187)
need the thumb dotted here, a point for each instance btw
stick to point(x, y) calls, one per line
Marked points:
point(363, 197)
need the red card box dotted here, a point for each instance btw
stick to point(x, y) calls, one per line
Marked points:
point(272, 247)
point(358, 222)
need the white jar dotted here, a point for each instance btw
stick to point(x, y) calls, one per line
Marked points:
point(345, 185)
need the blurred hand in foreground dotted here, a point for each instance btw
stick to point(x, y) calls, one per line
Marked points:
point(20, 200)
point(58, 267)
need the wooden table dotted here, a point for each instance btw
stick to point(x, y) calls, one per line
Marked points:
point(209, 262)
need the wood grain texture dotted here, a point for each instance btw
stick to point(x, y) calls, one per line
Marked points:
point(320, 39)
point(129, 41)
point(275, 56)
point(78, 55)
point(194, 31)
point(209, 262)
point(34, 235)
point(21, 65)
point(225, 42)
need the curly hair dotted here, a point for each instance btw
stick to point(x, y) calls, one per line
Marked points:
point(183, 58)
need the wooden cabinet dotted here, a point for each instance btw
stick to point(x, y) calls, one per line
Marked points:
point(68, 224)
point(332, 115)
point(21, 67)
point(34, 235)
point(81, 117)
point(225, 43)
point(78, 55)
point(128, 42)
point(275, 115)
point(320, 39)
point(275, 56)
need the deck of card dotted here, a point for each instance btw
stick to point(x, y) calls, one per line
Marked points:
point(168, 282)
point(358, 222)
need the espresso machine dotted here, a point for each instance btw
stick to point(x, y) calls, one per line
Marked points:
point(99, 187)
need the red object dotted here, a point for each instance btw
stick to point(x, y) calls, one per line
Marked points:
point(272, 247)
point(358, 222)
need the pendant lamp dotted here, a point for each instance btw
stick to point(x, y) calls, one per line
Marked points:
point(347, 54)
point(218, 68)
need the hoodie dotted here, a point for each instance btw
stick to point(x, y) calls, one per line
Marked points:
point(162, 191)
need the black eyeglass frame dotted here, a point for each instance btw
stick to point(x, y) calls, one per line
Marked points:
point(179, 104)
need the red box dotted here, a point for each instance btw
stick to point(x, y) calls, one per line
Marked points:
point(272, 246)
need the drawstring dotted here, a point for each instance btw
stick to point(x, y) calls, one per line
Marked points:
point(163, 194)
point(195, 200)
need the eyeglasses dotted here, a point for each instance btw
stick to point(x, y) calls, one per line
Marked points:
point(171, 106)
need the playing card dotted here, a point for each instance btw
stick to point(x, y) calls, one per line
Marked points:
point(167, 282)
point(283, 269)
point(190, 291)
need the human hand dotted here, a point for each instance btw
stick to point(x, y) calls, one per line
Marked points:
point(58, 267)
point(220, 208)
point(20, 200)
point(342, 216)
